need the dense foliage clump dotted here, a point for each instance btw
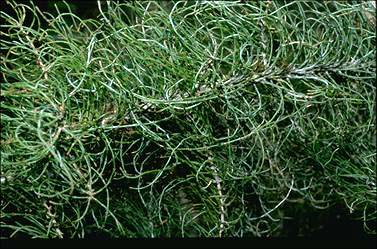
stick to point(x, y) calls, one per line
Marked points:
point(170, 119)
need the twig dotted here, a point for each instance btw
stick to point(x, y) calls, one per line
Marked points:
point(52, 218)
point(222, 200)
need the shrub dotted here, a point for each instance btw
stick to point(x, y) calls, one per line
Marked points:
point(186, 119)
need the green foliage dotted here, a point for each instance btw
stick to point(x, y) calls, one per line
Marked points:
point(186, 119)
